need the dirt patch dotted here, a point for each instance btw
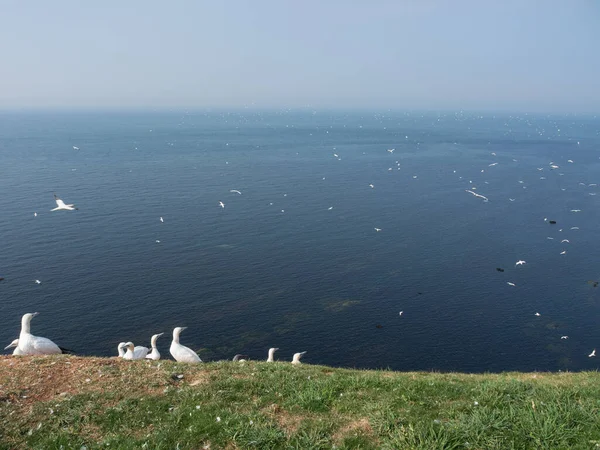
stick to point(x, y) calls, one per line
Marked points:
point(287, 422)
point(356, 427)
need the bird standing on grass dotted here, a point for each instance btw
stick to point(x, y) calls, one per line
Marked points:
point(181, 353)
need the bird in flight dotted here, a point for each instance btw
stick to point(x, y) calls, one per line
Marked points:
point(485, 199)
point(60, 205)
point(236, 191)
point(222, 205)
point(537, 314)
point(391, 150)
point(510, 284)
point(38, 282)
point(377, 229)
point(400, 313)
point(371, 186)
point(575, 210)
point(564, 337)
point(75, 148)
point(565, 240)
point(563, 252)
point(520, 263)
point(592, 354)
point(161, 219)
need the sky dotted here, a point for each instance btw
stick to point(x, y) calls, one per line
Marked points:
point(524, 55)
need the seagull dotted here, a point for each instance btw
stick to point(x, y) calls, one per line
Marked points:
point(592, 354)
point(38, 282)
point(377, 229)
point(61, 205)
point(564, 337)
point(222, 205)
point(236, 191)
point(520, 263)
point(161, 219)
point(296, 358)
point(510, 284)
point(485, 199)
point(336, 155)
point(271, 354)
point(181, 353)
point(34, 345)
point(134, 352)
point(154, 354)
point(537, 314)
point(15, 344)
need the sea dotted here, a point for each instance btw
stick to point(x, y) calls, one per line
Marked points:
point(356, 236)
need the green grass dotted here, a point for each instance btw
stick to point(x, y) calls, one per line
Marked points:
point(49, 402)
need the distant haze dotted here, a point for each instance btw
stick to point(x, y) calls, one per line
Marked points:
point(425, 54)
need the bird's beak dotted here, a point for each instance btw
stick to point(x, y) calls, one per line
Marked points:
point(35, 314)
point(160, 334)
point(303, 353)
point(8, 346)
point(276, 349)
point(183, 328)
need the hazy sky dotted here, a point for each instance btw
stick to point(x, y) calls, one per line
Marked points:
point(523, 55)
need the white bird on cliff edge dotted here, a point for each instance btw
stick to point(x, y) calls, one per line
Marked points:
point(272, 354)
point(34, 345)
point(181, 353)
point(154, 354)
point(296, 357)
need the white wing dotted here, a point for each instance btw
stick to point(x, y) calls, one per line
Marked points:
point(140, 352)
point(181, 353)
point(43, 346)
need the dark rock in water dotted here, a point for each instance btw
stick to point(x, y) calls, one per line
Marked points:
point(552, 222)
point(378, 326)
point(499, 269)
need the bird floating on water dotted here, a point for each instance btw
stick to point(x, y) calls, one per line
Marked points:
point(181, 353)
point(154, 354)
point(272, 354)
point(61, 206)
point(161, 219)
point(296, 357)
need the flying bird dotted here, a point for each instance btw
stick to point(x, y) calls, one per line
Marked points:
point(510, 284)
point(38, 282)
point(564, 337)
point(520, 263)
point(377, 229)
point(537, 314)
point(592, 354)
point(75, 148)
point(485, 199)
point(222, 205)
point(236, 191)
point(62, 206)
point(161, 219)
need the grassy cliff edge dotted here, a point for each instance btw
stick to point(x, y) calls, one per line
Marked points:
point(74, 402)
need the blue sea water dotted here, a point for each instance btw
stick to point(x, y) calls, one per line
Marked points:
point(276, 267)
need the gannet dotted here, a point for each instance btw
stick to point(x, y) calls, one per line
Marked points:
point(181, 353)
point(564, 337)
point(154, 354)
point(271, 354)
point(520, 263)
point(391, 150)
point(510, 284)
point(485, 199)
point(537, 314)
point(592, 354)
point(240, 358)
point(134, 352)
point(61, 205)
point(222, 205)
point(38, 282)
point(161, 219)
point(296, 358)
point(34, 345)
point(377, 229)
point(16, 350)
point(236, 191)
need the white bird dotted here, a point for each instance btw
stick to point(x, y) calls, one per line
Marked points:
point(222, 205)
point(161, 219)
point(575, 210)
point(272, 354)
point(371, 186)
point(15, 344)
point(62, 206)
point(563, 252)
point(134, 352)
point(570, 160)
point(565, 240)
point(240, 358)
point(336, 155)
point(400, 313)
point(510, 284)
point(377, 229)
point(38, 282)
point(485, 199)
point(34, 345)
point(75, 148)
point(154, 354)
point(330, 208)
point(574, 228)
point(592, 354)
point(296, 357)
point(181, 353)
point(391, 150)
point(537, 314)
point(512, 199)
point(564, 337)
point(236, 191)
point(493, 164)
point(520, 263)
point(34, 214)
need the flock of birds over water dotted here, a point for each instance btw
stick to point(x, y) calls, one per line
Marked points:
point(29, 344)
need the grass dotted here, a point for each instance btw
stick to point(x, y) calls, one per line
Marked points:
point(75, 402)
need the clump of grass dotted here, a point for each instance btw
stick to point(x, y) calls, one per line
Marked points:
point(49, 402)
